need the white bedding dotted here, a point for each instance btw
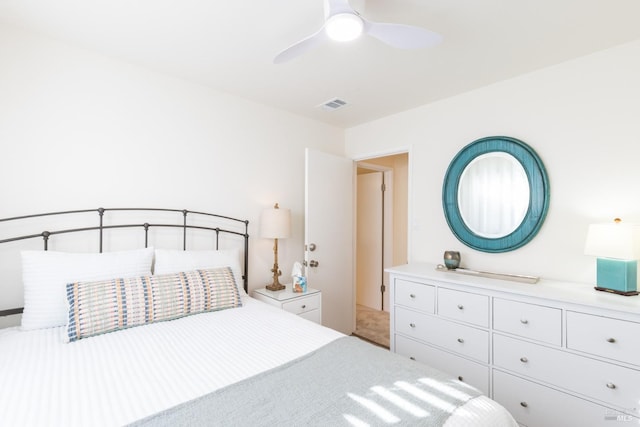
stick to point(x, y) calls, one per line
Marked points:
point(120, 377)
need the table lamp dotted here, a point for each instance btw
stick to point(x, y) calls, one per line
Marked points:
point(275, 224)
point(617, 248)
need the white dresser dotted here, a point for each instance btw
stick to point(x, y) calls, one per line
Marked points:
point(553, 353)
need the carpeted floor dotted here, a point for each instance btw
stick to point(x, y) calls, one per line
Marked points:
point(372, 325)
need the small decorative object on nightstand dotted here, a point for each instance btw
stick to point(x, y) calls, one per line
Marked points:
point(275, 224)
point(617, 247)
point(307, 305)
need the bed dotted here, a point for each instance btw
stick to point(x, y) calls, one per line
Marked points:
point(125, 353)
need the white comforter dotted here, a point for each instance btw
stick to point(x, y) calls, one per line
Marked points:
point(118, 378)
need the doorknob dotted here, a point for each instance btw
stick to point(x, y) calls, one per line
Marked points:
point(312, 247)
point(313, 263)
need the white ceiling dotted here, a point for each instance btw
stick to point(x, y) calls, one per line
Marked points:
point(230, 45)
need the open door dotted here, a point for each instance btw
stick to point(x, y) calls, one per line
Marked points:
point(369, 240)
point(329, 246)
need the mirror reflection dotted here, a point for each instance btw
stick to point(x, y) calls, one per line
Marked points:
point(493, 195)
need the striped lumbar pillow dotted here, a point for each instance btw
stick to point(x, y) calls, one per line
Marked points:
point(109, 305)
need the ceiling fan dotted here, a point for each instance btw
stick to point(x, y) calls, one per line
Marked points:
point(343, 23)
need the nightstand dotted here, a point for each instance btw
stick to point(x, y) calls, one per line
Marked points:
point(307, 305)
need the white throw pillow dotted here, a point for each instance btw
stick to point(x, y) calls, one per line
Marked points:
point(45, 275)
point(175, 261)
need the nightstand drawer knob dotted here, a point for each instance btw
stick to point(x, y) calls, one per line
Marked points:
point(611, 386)
point(413, 325)
point(460, 378)
point(611, 340)
point(460, 306)
point(304, 306)
point(524, 321)
point(460, 340)
point(524, 404)
point(412, 296)
point(524, 360)
point(412, 358)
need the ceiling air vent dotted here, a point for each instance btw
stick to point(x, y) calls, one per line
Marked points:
point(333, 104)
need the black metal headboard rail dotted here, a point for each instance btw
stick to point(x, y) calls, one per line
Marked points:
point(47, 234)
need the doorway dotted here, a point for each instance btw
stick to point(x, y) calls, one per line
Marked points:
point(381, 239)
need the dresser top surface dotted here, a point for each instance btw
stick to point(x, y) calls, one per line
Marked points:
point(553, 290)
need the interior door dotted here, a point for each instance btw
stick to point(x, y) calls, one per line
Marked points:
point(369, 231)
point(329, 245)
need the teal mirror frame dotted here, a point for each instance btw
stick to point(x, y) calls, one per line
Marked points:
point(538, 194)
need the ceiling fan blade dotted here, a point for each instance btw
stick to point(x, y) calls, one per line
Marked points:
point(402, 36)
point(301, 47)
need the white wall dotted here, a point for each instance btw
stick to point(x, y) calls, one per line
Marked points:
point(79, 130)
point(583, 119)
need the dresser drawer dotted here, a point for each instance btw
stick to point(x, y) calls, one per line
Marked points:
point(531, 321)
point(534, 405)
point(464, 306)
point(612, 384)
point(604, 336)
point(463, 369)
point(302, 305)
point(461, 339)
point(415, 295)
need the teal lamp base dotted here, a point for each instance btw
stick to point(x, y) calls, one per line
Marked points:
point(617, 276)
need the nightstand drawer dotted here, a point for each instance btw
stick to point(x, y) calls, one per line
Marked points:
point(535, 405)
point(415, 295)
point(603, 381)
point(313, 315)
point(302, 304)
point(461, 339)
point(465, 370)
point(604, 336)
point(464, 306)
point(532, 321)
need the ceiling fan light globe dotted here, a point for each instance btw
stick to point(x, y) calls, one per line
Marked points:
point(344, 27)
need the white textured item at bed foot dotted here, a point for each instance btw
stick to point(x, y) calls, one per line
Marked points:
point(481, 411)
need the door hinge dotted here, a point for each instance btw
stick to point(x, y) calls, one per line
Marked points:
point(383, 288)
point(383, 187)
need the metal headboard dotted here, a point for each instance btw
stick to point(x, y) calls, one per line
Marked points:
point(100, 228)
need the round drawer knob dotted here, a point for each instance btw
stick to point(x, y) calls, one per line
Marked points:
point(460, 306)
point(524, 321)
point(524, 359)
point(460, 378)
point(524, 404)
point(413, 325)
point(611, 340)
point(611, 386)
point(460, 340)
point(304, 306)
point(412, 358)
point(412, 296)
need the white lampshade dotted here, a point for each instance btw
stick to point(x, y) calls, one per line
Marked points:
point(613, 240)
point(344, 27)
point(275, 223)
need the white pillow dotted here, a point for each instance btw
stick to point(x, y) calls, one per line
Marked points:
point(45, 275)
point(175, 261)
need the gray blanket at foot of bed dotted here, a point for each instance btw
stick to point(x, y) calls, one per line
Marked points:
point(346, 382)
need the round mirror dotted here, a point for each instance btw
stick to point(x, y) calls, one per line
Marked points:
point(495, 194)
